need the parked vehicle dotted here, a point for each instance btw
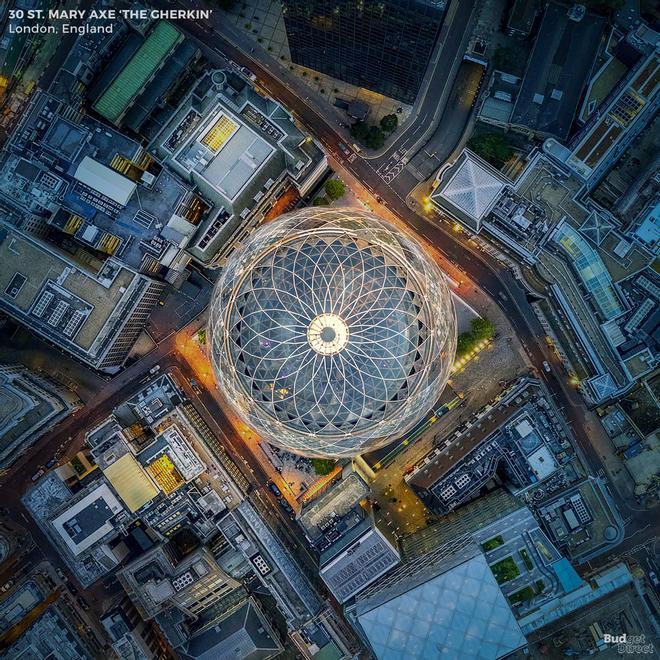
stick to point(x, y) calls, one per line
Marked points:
point(274, 489)
point(37, 475)
point(546, 366)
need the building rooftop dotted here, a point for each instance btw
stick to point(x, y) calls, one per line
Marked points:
point(356, 560)
point(29, 405)
point(239, 149)
point(105, 180)
point(460, 612)
point(470, 185)
point(599, 142)
point(68, 303)
point(332, 505)
point(88, 520)
point(590, 268)
point(553, 83)
point(131, 482)
point(137, 72)
point(242, 634)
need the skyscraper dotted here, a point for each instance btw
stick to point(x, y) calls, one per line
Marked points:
point(383, 45)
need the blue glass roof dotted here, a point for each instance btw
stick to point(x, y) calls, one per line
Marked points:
point(590, 268)
point(460, 613)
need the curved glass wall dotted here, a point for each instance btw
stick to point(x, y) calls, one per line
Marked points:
point(332, 332)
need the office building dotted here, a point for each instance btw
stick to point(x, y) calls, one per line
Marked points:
point(441, 600)
point(97, 193)
point(30, 404)
point(139, 74)
point(38, 620)
point(519, 439)
point(384, 47)
point(94, 315)
point(240, 631)
point(593, 278)
point(557, 71)
point(160, 579)
point(358, 558)
point(244, 156)
point(374, 347)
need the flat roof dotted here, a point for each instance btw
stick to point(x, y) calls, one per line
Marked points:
point(363, 561)
point(88, 520)
point(557, 71)
point(130, 80)
point(105, 180)
point(130, 481)
point(48, 271)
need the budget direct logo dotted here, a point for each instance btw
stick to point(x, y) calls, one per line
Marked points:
point(631, 644)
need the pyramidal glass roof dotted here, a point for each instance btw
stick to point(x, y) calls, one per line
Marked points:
point(472, 188)
point(460, 613)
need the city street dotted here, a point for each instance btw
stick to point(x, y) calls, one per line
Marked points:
point(482, 269)
point(385, 182)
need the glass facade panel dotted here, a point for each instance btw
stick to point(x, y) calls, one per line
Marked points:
point(332, 332)
point(382, 46)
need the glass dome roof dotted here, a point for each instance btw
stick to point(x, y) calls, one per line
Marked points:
point(332, 332)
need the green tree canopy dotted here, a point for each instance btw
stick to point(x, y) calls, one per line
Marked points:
point(492, 147)
point(482, 328)
point(389, 123)
point(360, 130)
point(320, 201)
point(334, 189)
point(323, 466)
point(375, 138)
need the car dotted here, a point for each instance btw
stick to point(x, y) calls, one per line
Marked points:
point(546, 366)
point(246, 72)
point(344, 148)
point(7, 586)
point(654, 578)
point(62, 575)
point(357, 149)
point(51, 462)
point(82, 603)
point(37, 475)
point(285, 505)
point(195, 386)
point(154, 370)
point(274, 489)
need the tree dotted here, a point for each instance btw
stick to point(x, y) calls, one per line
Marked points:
point(334, 189)
point(464, 343)
point(359, 131)
point(323, 466)
point(492, 147)
point(320, 201)
point(504, 58)
point(482, 329)
point(375, 138)
point(389, 123)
